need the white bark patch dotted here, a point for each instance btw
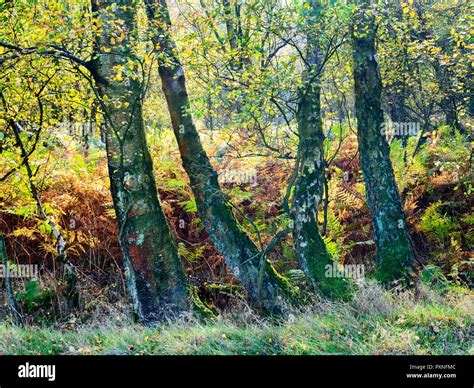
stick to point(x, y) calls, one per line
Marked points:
point(310, 166)
point(317, 157)
point(140, 239)
point(236, 271)
point(140, 207)
point(302, 218)
point(130, 182)
point(180, 72)
point(122, 203)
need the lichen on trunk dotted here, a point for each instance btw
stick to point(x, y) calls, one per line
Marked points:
point(394, 250)
point(241, 254)
point(154, 272)
point(309, 184)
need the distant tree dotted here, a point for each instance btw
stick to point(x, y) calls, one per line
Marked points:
point(447, 55)
point(26, 148)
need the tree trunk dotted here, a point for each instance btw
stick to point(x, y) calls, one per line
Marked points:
point(240, 253)
point(394, 249)
point(309, 185)
point(154, 272)
point(16, 312)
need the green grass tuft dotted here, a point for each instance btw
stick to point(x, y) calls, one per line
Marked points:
point(374, 322)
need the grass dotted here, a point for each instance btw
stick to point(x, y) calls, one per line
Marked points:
point(374, 322)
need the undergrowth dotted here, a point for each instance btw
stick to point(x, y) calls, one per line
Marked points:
point(376, 321)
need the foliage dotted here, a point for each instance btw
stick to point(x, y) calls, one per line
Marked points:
point(33, 296)
point(433, 222)
point(244, 68)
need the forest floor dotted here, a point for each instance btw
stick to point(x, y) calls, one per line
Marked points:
point(375, 322)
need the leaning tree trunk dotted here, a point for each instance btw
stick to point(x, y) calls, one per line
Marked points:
point(309, 185)
point(393, 244)
point(154, 272)
point(242, 256)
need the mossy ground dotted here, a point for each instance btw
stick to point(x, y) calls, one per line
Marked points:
point(374, 322)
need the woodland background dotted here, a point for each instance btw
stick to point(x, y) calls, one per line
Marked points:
point(246, 64)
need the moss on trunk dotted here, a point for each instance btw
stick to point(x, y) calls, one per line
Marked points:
point(394, 249)
point(309, 185)
point(239, 251)
point(154, 272)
